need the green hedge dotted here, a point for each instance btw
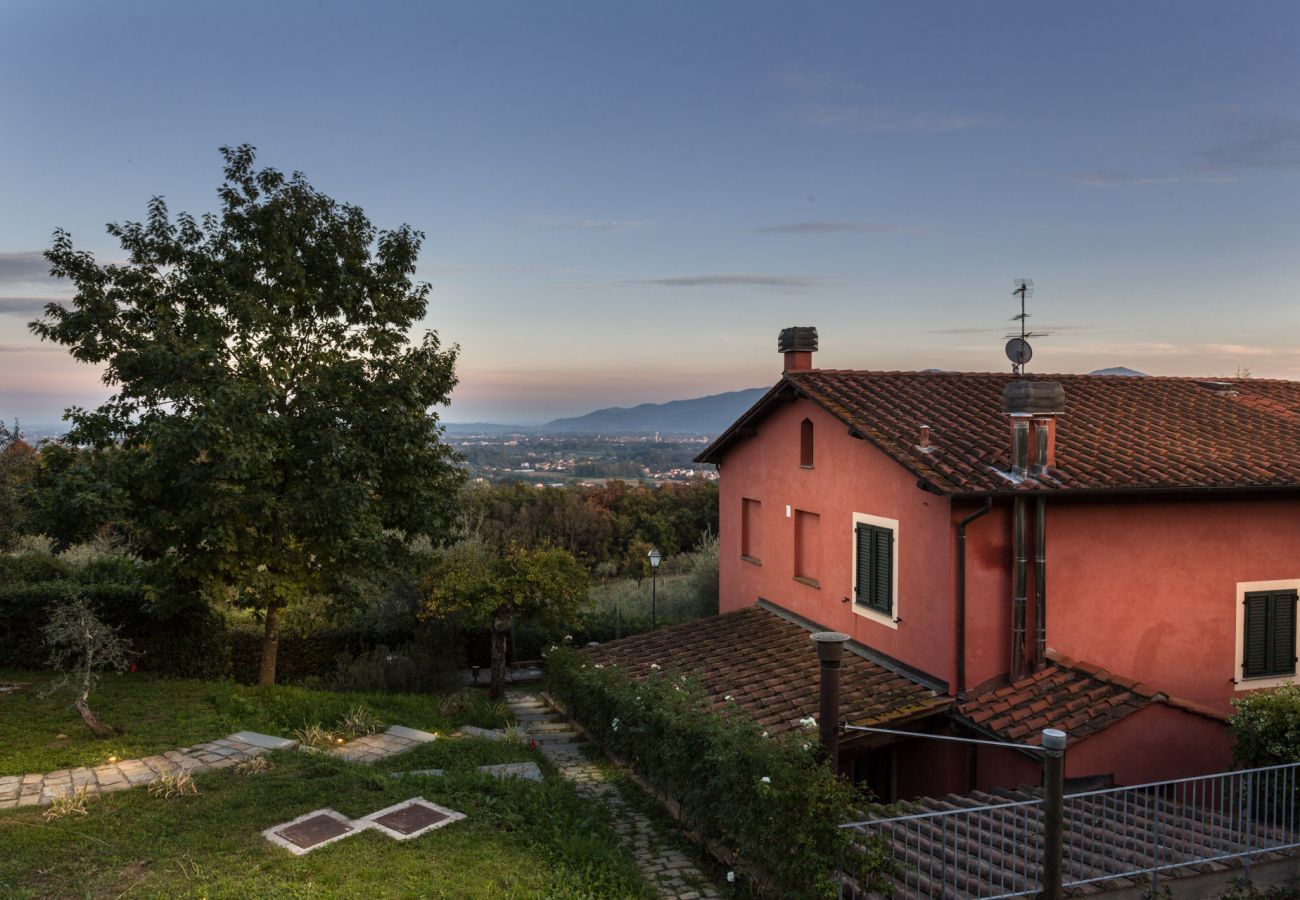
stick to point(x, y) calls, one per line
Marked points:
point(772, 801)
point(190, 641)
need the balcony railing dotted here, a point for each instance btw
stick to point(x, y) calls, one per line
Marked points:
point(985, 846)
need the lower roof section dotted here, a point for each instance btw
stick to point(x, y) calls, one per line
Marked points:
point(1079, 698)
point(767, 664)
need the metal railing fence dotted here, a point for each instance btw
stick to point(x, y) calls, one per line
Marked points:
point(995, 849)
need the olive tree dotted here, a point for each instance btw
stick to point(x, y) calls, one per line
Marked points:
point(272, 416)
point(491, 588)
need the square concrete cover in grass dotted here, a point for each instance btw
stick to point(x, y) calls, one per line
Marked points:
point(411, 818)
point(311, 831)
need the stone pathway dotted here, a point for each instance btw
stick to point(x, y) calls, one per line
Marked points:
point(42, 790)
point(374, 747)
point(668, 869)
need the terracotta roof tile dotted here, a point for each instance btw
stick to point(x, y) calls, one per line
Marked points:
point(769, 666)
point(1117, 433)
point(1077, 697)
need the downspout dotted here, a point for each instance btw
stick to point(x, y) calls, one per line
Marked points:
point(961, 594)
point(1040, 554)
point(1020, 568)
point(1019, 589)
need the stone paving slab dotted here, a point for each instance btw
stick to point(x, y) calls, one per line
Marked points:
point(670, 871)
point(371, 748)
point(492, 734)
point(265, 741)
point(526, 770)
point(412, 734)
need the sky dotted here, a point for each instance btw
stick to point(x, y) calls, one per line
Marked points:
point(625, 202)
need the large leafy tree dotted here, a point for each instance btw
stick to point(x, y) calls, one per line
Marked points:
point(17, 470)
point(492, 587)
point(272, 418)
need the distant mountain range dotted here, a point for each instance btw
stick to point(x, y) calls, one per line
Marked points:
point(701, 415)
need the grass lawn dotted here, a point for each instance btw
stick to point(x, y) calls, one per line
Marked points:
point(157, 714)
point(521, 839)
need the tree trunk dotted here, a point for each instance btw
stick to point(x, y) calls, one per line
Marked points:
point(98, 728)
point(500, 632)
point(270, 643)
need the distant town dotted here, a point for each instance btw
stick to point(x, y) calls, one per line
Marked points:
point(556, 460)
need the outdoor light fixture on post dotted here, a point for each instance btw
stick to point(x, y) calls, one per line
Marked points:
point(830, 650)
point(655, 558)
point(1054, 742)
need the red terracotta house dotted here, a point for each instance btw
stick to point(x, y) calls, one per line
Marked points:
point(1114, 556)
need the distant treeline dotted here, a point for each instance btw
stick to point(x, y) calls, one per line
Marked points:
point(609, 527)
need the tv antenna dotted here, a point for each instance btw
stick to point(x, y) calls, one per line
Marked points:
point(1018, 349)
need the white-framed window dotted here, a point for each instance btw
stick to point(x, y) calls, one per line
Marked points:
point(1265, 638)
point(875, 569)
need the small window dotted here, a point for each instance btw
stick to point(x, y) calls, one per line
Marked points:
point(806, 443)
point(806, 525)
point(874, 571)
point(751, 544)
point(1268, 635)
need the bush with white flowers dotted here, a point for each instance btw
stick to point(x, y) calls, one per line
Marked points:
point(774, 805)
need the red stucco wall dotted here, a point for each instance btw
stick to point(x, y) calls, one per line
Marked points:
point(1156, 743)
point(848, 476)
point(1148, 589)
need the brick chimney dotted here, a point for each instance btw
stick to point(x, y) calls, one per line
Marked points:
point(1033, 407)
point(798, 344)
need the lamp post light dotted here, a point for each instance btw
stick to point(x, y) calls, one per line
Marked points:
point(655, 558)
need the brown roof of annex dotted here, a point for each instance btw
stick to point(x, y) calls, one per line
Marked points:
point(1118, 433)
point(766, 663)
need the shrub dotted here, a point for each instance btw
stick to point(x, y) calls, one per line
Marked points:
point(770, 800)
point(174, 785)
point(427, 665)
point(81, 647)
point(1266, 725)
point(73, 804)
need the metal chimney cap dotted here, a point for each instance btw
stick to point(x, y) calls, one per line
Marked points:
point(1033, 398)
point(798, 339)
point(1054, 739)
point(830, 645)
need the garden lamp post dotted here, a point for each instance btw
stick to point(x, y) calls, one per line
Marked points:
point(655, 558)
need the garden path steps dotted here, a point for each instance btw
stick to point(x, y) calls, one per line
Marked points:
point(44, 789)
point(667, 868)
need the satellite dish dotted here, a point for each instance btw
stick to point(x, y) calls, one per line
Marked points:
point(1019, 351)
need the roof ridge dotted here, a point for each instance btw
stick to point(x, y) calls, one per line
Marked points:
point(1035, 376)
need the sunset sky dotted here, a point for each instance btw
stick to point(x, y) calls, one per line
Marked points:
point(625, 202)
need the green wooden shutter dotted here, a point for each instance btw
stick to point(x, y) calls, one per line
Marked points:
point(1255, 643)
point(1282, 645)
point(874, 587)
point(862, 569)
point(882, 570)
